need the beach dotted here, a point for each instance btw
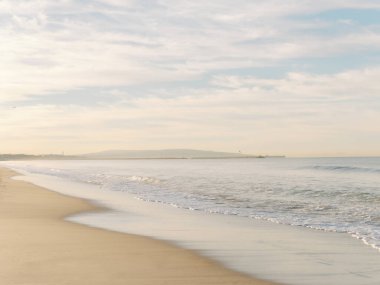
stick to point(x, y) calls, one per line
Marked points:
point(39, 247)
point(195, 211)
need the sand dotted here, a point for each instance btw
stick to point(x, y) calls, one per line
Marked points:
point(37, 246)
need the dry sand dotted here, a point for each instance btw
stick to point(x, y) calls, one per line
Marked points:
point(38, 247)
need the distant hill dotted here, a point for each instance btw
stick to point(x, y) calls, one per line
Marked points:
point(134, 154)
point(36, 157)
point(165, 153)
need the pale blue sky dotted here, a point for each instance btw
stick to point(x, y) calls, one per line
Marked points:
point(294, 77)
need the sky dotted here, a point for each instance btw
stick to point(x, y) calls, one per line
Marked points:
point(277, 77)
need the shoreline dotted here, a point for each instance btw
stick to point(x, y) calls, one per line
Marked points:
point(40, 247)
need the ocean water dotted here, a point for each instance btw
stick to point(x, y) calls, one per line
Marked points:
point(307, 221)
point(329, 194)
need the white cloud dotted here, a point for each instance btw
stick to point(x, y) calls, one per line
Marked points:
point(290, 115)
point(62, 45)
point(359, 84)
point(58, 46)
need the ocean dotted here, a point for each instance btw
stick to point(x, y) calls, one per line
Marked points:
point(336, 195)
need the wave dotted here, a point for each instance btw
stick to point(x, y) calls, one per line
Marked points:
point(340, 168)
point(329, 203)
point(144, 179)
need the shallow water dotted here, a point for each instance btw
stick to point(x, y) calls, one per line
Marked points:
point(331, 194)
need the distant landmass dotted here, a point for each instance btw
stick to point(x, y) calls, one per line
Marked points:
point(36, 157)
point(135, 154)
point(161, 154)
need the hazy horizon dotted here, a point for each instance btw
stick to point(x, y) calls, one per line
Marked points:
point(201, 150)
point(277, 77)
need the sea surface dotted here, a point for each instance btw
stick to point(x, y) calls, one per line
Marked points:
point(331, 194)
point(340, 195)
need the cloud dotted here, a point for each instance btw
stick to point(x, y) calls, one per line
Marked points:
point(54, 46)
point(359, 84)
point(111, 48)
point(288, 115)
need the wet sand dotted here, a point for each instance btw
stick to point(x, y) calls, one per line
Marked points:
point(39, 247)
